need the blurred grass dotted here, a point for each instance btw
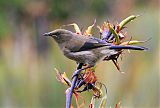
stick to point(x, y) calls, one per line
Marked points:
point(27, 59)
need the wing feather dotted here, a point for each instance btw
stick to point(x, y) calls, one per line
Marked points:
point(92, 43)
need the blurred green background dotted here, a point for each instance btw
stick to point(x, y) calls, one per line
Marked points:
point(27, 59)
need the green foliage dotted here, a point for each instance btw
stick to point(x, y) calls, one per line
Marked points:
point(127, 20)
point(99, 6)
point(60, 9)
point(4, 29)
point(11, 3)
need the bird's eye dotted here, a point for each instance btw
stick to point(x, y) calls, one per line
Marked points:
point(57, 33)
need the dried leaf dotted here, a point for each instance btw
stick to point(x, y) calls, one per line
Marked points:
point(116, 64)
point(103, 102)
point(89, 77)
point(91, 105)
point(77, 29)
point(97, 92)
point(122, 36)
point(106, 24)
point(89, 29)
point(77, 96)
point(100, 29)
point(62, 78)
point(118, 105)
point(66, 79)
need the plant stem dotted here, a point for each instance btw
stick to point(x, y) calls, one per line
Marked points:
point(69, 95)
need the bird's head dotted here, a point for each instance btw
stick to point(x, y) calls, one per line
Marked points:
point(60, 35)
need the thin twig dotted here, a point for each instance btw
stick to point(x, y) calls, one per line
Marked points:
point(69, 94)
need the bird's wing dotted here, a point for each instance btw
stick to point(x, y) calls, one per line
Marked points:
point(92, 43)
point(130, 47)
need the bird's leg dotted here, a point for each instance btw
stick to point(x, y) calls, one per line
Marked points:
point(87, 87)
point(76, 73)
point(71, 89)
point(80, 82)
point(84, 89)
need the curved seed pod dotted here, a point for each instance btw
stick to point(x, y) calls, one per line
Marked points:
point(89, 29)
point(132, 42)
point(115, 34)
point(77, 29)
point(127, 20)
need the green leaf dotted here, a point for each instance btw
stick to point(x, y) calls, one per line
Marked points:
point(115, 34)
point(127, 20)
point(132, 42)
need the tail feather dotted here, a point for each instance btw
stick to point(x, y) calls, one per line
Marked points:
point(130, 47)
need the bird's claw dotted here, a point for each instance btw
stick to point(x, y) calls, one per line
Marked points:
point(76, 73)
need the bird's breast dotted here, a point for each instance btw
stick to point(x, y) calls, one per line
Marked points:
point(81, 57)
point(88, 57)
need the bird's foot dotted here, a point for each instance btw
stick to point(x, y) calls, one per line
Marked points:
point(77, 72)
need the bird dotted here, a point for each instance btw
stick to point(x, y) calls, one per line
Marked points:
point(86, 49)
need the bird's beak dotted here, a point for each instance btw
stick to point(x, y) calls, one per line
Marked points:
point(47, 34)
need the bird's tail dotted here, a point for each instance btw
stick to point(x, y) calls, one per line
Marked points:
point(130, 47)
